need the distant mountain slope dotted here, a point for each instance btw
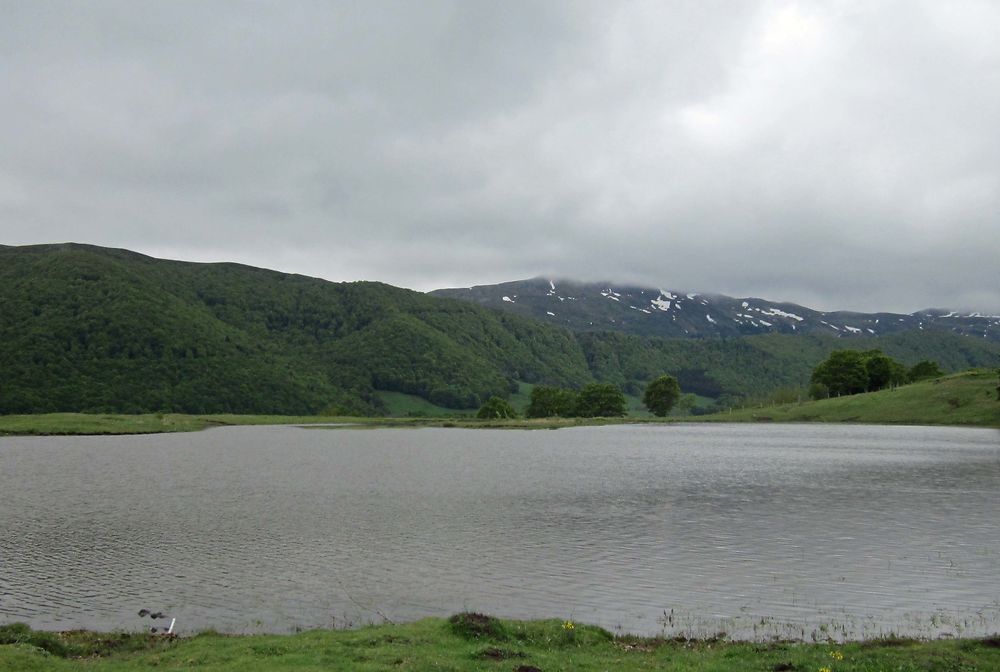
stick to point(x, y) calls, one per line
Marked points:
point(755, 366)
point(85, 328)
point(90, 328)
point(678, 314)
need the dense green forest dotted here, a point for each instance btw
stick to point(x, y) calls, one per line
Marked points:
point(85, 328)
point(92, 329)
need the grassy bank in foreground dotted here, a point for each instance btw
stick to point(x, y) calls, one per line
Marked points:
point(967, 398)
point(473, 642)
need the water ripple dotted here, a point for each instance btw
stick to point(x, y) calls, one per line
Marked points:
point(759, 531)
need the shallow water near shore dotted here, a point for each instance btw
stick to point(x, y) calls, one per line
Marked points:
point(799, 531)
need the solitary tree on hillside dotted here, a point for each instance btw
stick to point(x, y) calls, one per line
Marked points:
point(496, 408)
point(661, 395)
point(843, 372)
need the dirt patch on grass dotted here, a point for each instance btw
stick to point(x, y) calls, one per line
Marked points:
point(494, 653)
point(890, 641)
point(642, 644)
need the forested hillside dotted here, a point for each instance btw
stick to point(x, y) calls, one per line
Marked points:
point(755, 366)
point(88, 328)
point(85, 328)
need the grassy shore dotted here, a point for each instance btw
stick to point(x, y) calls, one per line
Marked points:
point(55, 424)
point(963, 399)
point(474, 642)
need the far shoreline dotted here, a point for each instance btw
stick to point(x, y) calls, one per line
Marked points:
point(967, 399)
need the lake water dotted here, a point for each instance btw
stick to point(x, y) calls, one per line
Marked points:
point(755, 530)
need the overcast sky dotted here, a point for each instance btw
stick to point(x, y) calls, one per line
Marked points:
point(843, 155)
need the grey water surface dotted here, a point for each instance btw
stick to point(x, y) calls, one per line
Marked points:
point(801, 531)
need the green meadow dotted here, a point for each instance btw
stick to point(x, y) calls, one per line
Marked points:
point(962, 399)
point(475, 642)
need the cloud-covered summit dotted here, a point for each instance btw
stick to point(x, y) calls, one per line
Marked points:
point(842, 155)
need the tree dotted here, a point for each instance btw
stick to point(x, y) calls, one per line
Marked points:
point(661, 394)
point(843, 372)
point(851, 372)
point(883, 371)
point(924, 370)
point(600, 400)
point(496, 408)
point(547, 402)
point(879, 370)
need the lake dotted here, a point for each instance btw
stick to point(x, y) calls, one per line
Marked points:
point(802, 531)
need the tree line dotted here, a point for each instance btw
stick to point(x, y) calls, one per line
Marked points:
point(596, 400)
point(847, 372)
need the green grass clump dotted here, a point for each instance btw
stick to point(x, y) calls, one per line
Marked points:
point(470, 625)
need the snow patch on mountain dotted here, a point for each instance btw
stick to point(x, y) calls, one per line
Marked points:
point(660, 304)
point(776, 312)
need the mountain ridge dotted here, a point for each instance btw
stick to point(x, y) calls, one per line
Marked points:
point(592, 306)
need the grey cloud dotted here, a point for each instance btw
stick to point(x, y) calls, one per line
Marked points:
point(843, 155)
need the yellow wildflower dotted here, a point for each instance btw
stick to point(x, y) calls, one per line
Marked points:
point(568, 625)
point(836, 655)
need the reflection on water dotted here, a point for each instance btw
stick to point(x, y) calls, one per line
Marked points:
point(796, 531)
